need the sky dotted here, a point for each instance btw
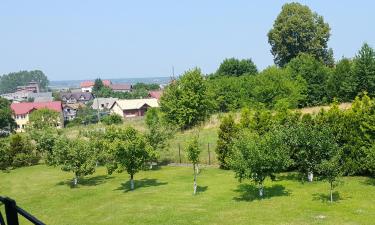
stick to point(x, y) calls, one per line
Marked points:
point(86, 39)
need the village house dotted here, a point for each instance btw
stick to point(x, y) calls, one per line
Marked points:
point(86, 86)
point(70, 110)
point(103, 104)
point(121, 87)
point(133, 107)
point(155, 94)
point(22, 111)
point(80, 97)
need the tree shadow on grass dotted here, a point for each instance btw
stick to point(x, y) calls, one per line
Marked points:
point(201, 189)
point(249, 192)
point(91, 181)
point(140, 184)
point(327, 197)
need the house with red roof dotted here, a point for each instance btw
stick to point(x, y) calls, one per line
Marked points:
point(155, 94)
point(86, 86)
point(22, 111)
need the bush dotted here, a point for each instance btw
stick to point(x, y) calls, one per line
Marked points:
point(22, 151)
point(112, 119)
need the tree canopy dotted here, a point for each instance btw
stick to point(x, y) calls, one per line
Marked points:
point(6, 119)
point(9, 82)
point(236, 67)
point(299, 30)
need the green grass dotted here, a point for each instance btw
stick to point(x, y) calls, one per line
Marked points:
point(164, 196)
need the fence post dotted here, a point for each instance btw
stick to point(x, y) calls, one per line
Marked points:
point(11, 211)
point(179, 152)
point(209, 154)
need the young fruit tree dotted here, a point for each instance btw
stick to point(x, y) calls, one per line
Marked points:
point(74, 155)
point(257, 158)
point(127, 150)
point(193, 152)
point(226, 136)
point(331, 171)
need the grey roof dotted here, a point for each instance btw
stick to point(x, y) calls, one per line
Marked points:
point(43, 99)
point(87, 96)
point(107, 102)
point(40, 95)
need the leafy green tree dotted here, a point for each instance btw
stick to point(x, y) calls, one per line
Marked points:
point(226, 135)
point(274, 85)
point(85, 115)
point(127, 150)
point(158, 132)
point(235, 67)
point(98, 85)
point(257, 158)
point(364, 69)
point(9, 82)
point(299, 30)
point(185, 102)
point(112, 119)
point(74, 155)
point(43, 119)
point(148, 87)
point(6, 119)
point(370, 160)
point(193, 151)
point(315, 74)
point(342, 83)
point(5, 160)
point(45, 141)
point(22, 151)
point(331, 171)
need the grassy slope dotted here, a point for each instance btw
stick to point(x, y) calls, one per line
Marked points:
point(164, 196)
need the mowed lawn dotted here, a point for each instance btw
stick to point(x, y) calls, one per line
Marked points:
point(164, 196)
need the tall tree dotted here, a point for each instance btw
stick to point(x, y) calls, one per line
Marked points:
point(236, 67)
point(44, 118)
point(98, 85)
point(74, 155)
point(193, 151)
point(226, 135)
point(364, 69)
point(6, 119)
point(22, 151)
point(185, 102)
point(127, 150)
point(299, 30)
point(314, 73)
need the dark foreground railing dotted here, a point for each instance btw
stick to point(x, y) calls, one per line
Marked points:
point(12, 211)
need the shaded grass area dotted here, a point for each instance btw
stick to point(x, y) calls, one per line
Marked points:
point(164, 196)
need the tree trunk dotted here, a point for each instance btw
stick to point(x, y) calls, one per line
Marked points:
point(310, 176)
point(261, 191)
point(75, 180)
point(195, 180)
point(131, 182)
point(151, 165)
point(197, 169)
point(331, 193)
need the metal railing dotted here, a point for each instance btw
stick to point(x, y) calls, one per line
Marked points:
point(12, 211)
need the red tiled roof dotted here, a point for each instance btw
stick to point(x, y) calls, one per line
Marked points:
point(90, 83)
point(26, 107)
point(155, 94)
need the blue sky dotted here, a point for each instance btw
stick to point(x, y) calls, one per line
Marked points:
point(84, 39)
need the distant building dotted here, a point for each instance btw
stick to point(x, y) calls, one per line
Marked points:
point(70, 110)
point(40, 97)
point(155, 94)
point(30, 87)
point(133, 107)
point(21, 112)
point(70, 98)
point(121, 87)
point(103, 103)
point(86, 86)
point(23, 92)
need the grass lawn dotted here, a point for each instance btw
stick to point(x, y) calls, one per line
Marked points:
point(164, 196)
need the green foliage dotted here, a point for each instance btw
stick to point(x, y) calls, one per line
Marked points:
point(148, 87)
point(45, 141)
point(342, 83)
point(9, 82)
point(193, 151)
point(299, 30)
point(185, 102)
point(315, 74)
point(74, 155)
point(257, 157)
point(235, 67)
point(98, 85)
point(127, 150)
point(112, 119)
point(85, 115)
point(370, 160)
point(364, 69)
point(21, 151)
point(6, 120)
point(273, 86)
point(226, 135)
point(330, 170)
point(5, 160)
point(44, 119)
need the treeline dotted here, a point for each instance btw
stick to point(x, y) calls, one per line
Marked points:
point(9, 82)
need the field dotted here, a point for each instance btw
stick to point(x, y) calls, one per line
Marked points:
point(164, 196)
